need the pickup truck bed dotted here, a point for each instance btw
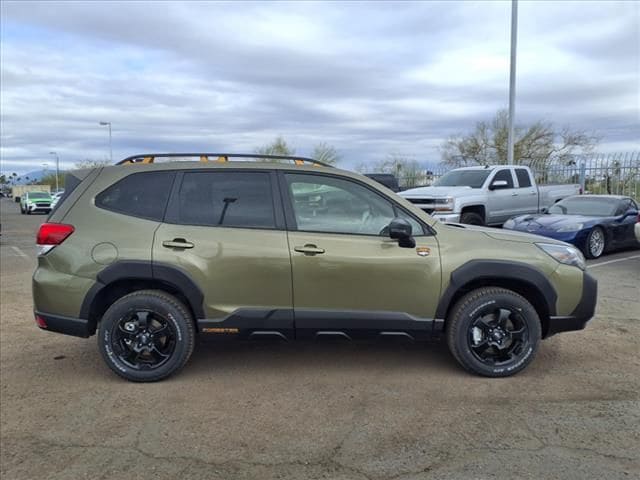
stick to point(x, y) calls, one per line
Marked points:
point(487, 195)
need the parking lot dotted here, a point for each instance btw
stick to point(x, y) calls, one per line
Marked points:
point(318, 410)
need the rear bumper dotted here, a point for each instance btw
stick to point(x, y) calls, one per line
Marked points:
point(77, 327)
point(583, 312)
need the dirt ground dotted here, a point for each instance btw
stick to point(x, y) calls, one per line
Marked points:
point(313, 410)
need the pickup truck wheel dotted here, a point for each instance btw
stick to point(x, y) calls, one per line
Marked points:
point(471, 218)
point(146, 336)
point(493, 332)
point(595, 244)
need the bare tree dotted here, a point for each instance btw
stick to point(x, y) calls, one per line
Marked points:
point(537, 145)
point(406, 169)
point(90, 163)
point(325, 153)
point(278, 147)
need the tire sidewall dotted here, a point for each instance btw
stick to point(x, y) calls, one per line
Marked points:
point(124, 306)
point(474, 216)
point(467, 314)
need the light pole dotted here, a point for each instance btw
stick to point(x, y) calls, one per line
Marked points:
point(512, 79)
point(110, 148)
point(57, 167)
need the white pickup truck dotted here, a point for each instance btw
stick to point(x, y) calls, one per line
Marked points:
point(487, 195)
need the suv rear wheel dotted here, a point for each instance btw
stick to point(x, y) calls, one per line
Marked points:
point(493, 332)
point(146, 336)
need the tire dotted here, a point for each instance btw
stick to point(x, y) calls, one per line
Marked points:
point(28, 212)
point(493, 332)
point(596, 243)
point(151, 352)
point(471, 218)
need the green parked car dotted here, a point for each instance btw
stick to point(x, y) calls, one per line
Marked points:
point(35, 202)
point(149, 255)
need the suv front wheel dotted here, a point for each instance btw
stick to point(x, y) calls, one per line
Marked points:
point(493, 332)
point(146, 336)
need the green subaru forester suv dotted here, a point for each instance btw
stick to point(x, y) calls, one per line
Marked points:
point(152, 252)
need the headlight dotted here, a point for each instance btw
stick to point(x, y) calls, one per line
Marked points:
point(571, 227)
point(564, 254)
point(509, 224)
point(443, 204)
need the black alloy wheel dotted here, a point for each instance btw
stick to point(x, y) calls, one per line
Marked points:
point(146, 335)
point(143, 340)
point(493, 332)
point(498, 336)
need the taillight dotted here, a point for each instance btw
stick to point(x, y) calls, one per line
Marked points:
point(52, 234)
point(41, 322)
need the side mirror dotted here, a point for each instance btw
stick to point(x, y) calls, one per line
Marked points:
point(400, 229)
point(630, 213)
point(544, 210)
point(498, 184)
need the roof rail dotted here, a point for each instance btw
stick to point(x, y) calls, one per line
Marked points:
point(219, 157)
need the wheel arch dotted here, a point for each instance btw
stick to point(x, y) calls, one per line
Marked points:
point(475, 208)
point(124, 277)
point(518, 277)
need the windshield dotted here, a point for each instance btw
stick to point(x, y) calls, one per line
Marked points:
point(463, 178)
point(591, 206)
point(39, 195)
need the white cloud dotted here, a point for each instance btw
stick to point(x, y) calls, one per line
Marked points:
point(370, 78)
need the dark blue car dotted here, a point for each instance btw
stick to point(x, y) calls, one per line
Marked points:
point(593, 223)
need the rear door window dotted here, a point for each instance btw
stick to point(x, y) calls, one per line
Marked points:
point(524, 180)
point(141, 195)
point(226, 199)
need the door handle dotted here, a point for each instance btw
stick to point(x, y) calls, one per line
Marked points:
point(514, 194)
point(309, 249)
point(177, 243)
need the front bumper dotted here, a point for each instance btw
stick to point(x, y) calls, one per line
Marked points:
point(36, 208)
point(447, 217)
point(583, 312)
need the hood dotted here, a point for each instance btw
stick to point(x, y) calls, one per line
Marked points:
point(508, 235)
point(532, 223)
point(436, 192)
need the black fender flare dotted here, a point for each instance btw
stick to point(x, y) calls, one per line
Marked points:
point(475, 270)
point(146, 270)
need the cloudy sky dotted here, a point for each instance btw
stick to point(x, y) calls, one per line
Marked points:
point(371, 78)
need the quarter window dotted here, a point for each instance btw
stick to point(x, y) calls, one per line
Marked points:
point(228, 199)
point(142, 195)
point(334, 205)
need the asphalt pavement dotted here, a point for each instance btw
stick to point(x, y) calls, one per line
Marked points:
point(318, 410)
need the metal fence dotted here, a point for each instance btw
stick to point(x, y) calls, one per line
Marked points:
point(615, 173)
point(612, 173)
